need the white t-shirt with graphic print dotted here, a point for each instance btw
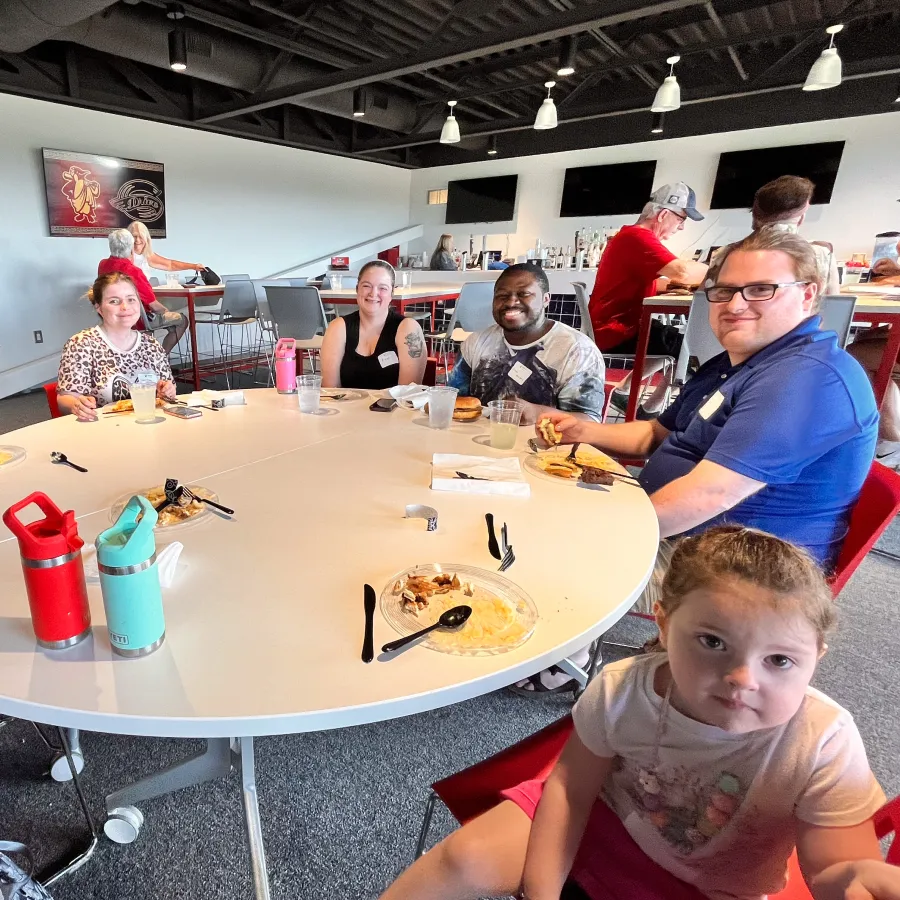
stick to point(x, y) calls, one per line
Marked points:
point(719, 810)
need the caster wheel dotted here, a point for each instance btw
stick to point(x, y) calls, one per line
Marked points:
point(123, 824)
point(59, 767)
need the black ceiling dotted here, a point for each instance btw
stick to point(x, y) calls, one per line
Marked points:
point(284, 71)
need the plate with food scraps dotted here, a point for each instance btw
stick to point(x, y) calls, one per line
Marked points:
point(503, 615)
point(553, 465)
point(173, 517)
point(342, 395)
point(123, 406)
point(10, 455)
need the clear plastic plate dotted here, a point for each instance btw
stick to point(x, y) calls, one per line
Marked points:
point(503, 615)
point(587, 455)
point(342, 395)
point(200, 510)
point(10, 455)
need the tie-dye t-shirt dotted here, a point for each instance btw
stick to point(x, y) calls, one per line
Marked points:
point(563, 369)
point(719, 810)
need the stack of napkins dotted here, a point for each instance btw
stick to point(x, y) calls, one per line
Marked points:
point(501, 476)
point(412, 396)
point(205, 398)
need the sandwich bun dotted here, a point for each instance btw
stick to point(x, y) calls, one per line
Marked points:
point(467, 409)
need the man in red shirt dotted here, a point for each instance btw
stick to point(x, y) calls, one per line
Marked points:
point(633, 259)
point(121, 248)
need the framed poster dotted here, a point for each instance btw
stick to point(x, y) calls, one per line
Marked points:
point(90, 195)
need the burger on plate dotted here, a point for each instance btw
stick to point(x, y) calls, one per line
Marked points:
point(467, 409)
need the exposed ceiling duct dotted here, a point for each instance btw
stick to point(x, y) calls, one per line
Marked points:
point(25, 23)
point(141, 35)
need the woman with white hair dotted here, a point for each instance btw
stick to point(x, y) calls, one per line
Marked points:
point(121, 249)
point(145, 258)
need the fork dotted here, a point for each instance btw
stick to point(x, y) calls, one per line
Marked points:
point(508, 559)
point(573, 452)
point(190, 495)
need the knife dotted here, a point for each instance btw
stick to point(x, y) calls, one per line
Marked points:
point(368, 651)
point(493, 546)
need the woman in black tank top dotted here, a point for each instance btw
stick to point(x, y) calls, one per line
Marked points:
point(375, 347)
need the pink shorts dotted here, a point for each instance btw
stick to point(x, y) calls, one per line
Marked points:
point(609, 864)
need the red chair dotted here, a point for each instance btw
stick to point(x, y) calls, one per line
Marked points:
point(50, 391)
point(475, 790)
point(878, 503)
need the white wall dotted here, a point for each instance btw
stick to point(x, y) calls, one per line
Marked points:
point(864, 200)
point(235, 205)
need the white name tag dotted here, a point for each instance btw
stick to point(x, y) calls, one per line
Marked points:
point(388, 358)
point(711, 405)
point(519, 373)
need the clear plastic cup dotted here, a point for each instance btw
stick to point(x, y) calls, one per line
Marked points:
point(505, 418)
point(336, 279)
point(441, 400)
point(309, 390)
point(143, 396)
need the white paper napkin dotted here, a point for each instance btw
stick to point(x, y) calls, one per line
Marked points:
point(504, 476)
point(206, 397)
point(412, 396)
point(166, 561)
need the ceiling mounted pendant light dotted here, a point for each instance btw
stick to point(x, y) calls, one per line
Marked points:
point(359, 102)
point(177, 40)
point(668, 97)
point(546, 114)
point(450, 131)
point(492, 145)
point(657, 126)
point(826, 70)
point(567, 56)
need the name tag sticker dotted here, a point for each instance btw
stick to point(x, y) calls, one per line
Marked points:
point(711, 405)
point(388, 358)
point(519, 373)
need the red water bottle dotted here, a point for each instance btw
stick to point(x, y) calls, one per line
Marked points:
point(54, 573)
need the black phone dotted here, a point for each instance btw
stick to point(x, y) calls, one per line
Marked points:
point(385, 404)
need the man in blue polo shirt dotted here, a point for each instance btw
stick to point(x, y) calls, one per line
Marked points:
point(778, 432)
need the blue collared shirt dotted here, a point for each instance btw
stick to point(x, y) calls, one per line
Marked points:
point(799, 416)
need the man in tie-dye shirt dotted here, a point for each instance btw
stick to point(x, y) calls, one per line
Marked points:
point(527, 356)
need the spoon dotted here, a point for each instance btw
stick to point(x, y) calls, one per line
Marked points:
point(452, 618)
point(62, 459)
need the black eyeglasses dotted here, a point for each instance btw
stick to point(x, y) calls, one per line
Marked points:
point(752, 293)
point(682, 217)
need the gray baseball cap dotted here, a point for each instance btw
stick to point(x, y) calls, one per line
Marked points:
point(678, 197)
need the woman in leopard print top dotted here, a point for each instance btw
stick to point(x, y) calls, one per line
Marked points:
point(98, 364)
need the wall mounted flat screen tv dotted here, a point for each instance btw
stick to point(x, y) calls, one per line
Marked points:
point(90, 195)
point(743, 172)
point(614, 190)
point(482, 200)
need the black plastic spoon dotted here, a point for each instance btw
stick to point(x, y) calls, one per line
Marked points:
point(452, 618)
point(62, 459)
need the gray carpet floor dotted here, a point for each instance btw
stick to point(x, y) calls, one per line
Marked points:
point(341, 810)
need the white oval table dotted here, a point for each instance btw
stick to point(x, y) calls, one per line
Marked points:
point(264, 620)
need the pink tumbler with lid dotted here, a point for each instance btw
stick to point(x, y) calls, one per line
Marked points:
point(286, 366)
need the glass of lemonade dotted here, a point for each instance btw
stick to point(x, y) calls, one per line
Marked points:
point(441, 401)
point(143, 396)
point(505, 418)
point(309, 390)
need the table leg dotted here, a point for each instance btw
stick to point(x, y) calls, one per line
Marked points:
point(251, 819)
point(219, 759)
point(888, 361)
point(195, 357)
point(640, 356)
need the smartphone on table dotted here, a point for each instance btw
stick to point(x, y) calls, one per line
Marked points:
point(385, 404)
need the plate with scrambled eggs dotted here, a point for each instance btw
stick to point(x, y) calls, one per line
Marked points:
point(503, 616)
point(10, 455)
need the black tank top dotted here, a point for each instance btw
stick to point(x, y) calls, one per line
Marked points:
point(367, 372)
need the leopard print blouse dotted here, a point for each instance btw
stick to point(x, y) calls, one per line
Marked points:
point(92, 366)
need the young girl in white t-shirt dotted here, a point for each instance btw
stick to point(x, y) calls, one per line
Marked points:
point(693, 773)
